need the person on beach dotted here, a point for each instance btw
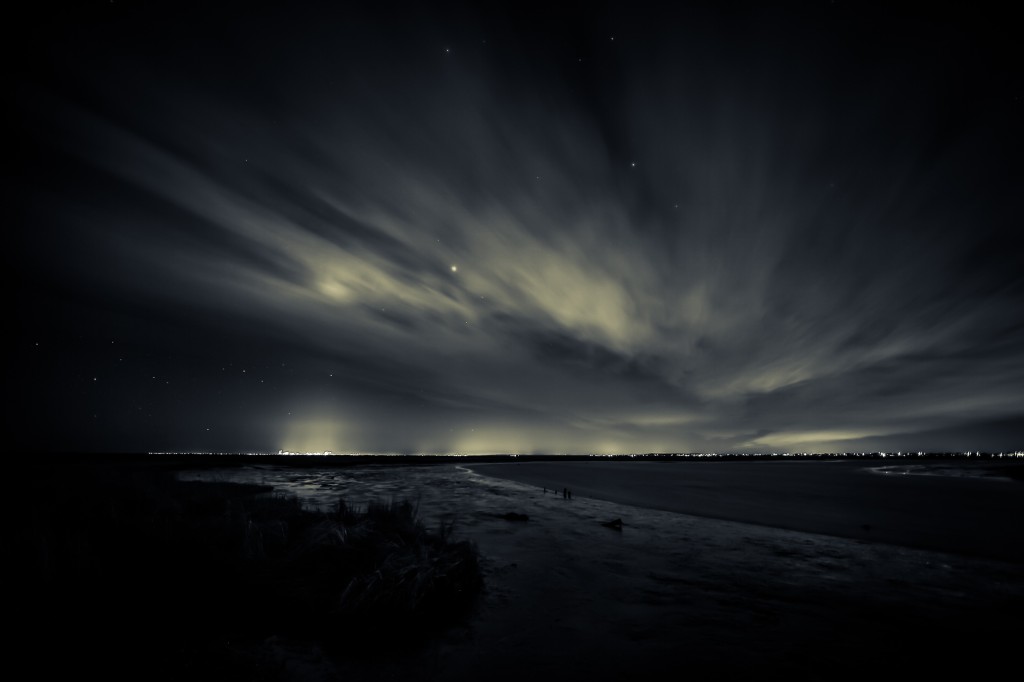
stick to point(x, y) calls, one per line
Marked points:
point(565, 493)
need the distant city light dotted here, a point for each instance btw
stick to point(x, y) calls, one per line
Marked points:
point(625, 455)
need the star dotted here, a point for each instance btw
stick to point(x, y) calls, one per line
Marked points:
point(455, 268)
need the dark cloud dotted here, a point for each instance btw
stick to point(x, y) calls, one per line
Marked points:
point(501, 230)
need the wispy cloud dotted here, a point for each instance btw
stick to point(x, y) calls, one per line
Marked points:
point(489, 260)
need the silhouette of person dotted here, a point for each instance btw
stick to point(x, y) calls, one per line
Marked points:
point(565, 493)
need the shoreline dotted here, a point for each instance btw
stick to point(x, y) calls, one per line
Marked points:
point(966, 515)
point(665, 596)
point(673, 594)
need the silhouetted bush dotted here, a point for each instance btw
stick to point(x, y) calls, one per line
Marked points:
point(177, 566)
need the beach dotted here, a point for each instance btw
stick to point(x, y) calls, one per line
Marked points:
point(674, 594)
point(965, 514)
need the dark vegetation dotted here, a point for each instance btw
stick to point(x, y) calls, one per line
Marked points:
point(191, 579)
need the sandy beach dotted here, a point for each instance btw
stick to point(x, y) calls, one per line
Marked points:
point(676, 594)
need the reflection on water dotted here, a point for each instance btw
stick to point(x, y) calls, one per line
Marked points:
point(939, 470)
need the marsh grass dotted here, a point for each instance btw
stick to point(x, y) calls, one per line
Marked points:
point(144, 562)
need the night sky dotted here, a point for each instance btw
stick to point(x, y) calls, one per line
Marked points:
point(584, 227)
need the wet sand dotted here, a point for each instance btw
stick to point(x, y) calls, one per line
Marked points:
point(966, 515)
point(675, 595)
point(680, 596)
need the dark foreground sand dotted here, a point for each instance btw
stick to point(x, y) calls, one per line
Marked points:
point(678, 596)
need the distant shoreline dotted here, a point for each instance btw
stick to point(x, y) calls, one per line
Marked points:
point(960, 514)
point(1003, 474)
point(206, 460)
